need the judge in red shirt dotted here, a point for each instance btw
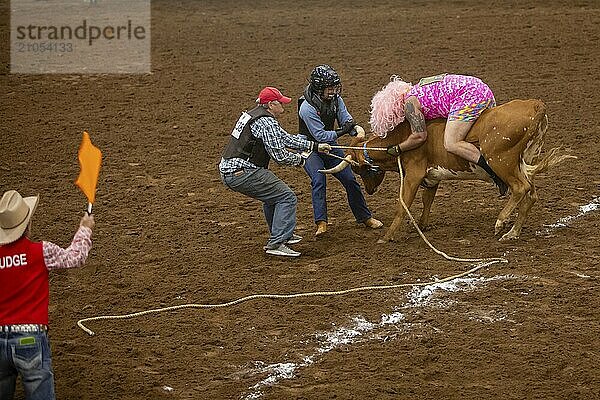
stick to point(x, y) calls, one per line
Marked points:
point(24, 266)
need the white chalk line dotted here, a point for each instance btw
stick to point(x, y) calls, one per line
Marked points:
point(360, 330)
point(418, 297)
point(564, 222)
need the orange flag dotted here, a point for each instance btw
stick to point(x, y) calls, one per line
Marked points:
point(90, 158)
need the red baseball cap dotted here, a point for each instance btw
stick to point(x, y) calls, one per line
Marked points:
point(271, 94)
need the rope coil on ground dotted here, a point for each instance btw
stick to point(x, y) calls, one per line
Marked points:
point(483, 262)
point(80, 323)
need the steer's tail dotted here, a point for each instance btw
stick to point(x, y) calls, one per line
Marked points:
point(552, 158)
point(531, 161)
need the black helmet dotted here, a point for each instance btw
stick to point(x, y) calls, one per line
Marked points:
point(323, 76)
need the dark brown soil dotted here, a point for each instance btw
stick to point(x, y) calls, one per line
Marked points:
point(169, 233)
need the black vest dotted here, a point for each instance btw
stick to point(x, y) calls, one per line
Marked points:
point(326, 110)
point(247, 146)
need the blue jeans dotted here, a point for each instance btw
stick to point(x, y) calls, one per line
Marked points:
point(279, 201)
point(27, 354)
point(318, 182)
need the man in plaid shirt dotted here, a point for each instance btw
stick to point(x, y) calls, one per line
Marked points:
point(256, 138)
point(24, 292)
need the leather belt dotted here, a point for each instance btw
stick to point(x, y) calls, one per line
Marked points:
point(236, 172)
point(24, 328)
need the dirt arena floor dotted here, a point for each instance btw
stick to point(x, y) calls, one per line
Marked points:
point(169, 233)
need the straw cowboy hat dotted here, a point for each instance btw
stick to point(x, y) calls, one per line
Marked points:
point(15, 214)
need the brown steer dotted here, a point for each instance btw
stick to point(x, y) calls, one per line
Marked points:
point(510, 137)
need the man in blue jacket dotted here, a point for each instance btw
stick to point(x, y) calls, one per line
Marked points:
point(320, 107)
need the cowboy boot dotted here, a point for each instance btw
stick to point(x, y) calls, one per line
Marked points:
point(373, 223)
point(321, 228)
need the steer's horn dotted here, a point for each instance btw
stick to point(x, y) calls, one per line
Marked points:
point(343, 164)
point(360, 132)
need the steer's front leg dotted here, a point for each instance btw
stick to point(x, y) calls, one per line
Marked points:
point(409, 190)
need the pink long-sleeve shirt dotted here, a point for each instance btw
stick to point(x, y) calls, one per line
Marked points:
point(71, 257)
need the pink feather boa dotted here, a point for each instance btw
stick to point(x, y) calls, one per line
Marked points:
point(387, 106)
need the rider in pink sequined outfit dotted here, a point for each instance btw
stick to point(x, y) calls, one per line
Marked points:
point(459, 98)
point(456, 97)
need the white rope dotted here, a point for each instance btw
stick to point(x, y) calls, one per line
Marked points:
point(412, 219)
point(276, 296)
point(483, 262)
point(359, 148)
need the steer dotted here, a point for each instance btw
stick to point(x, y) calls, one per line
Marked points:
point(510, 137)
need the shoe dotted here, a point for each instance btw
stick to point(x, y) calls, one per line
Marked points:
point(373, 223)
point(294, 239)
point(502, 187)
point(283, 250)
point(321, 228)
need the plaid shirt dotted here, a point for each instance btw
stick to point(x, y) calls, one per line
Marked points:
point(277, 142)
point(74, 256)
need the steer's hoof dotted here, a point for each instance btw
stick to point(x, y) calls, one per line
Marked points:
point(509, 236)
point(499, 227)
